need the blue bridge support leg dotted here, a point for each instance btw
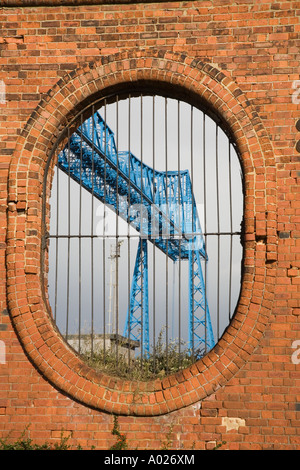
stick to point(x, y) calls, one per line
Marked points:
point(201, 337)
point(137, 323)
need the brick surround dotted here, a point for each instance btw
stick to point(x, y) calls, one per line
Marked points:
point(239, 59)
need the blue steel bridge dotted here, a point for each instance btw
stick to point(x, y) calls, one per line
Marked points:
point(160, 205)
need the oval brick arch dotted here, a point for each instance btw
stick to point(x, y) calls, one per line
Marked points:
point(42, 342)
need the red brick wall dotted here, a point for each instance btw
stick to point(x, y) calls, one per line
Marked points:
point(242, 57)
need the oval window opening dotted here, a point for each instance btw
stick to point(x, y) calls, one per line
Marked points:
point(143, 260)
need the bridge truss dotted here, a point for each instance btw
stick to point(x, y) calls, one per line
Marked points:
point(159, 205)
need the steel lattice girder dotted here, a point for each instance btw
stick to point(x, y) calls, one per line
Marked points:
point(137, 323)
point(160, 205)
point(199, 319)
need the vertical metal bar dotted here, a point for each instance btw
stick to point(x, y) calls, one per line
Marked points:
point(153, 254)
point(117, 230)
point(205, 216)
point(69, 224)
point(56, 241)
point(180, 205)
point(92, 239)
point(104, 239)
point(193, 254)
point(231, 227)
point(79, 238)
point(142, 251)
point(167, 241)
point(218, 229)
point(128, 223)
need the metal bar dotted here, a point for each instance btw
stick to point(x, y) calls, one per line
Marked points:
point(142, 251)
point(205, 211)
point(79, 245)
point(154, 249)
point(103, 244)
point(138, 236)
point(231, 228)
point(179, 207)
point(117, 234)
point(92, 244)
point(128, 224)
point(193, 228)
point(56, 244)
point(218, 230)
point(69, 222)
point(167, 240)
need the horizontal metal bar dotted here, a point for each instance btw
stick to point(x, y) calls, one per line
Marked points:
point(144, 237)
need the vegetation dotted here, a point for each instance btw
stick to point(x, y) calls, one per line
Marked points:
point(121, 443)
point(25, 443)
point(163, 360)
